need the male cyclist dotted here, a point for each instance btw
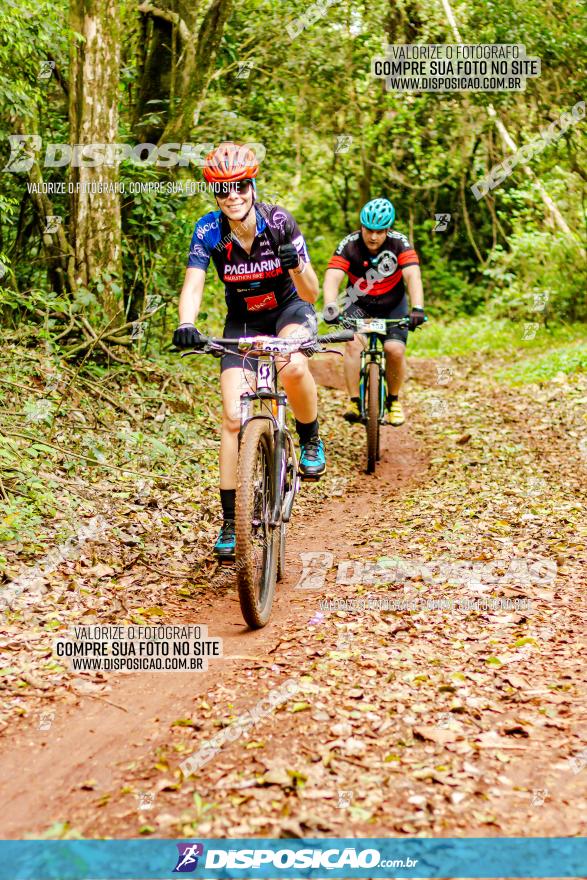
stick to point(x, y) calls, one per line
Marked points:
point(261, 256)
point(379, 264)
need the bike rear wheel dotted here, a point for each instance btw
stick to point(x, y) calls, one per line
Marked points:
point(256, 544)
point(372, 395)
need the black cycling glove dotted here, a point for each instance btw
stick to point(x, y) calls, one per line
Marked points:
point(417, 317)
point(186, 336)
point(287, 253)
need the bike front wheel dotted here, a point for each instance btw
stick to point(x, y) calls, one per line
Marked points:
point(256, 547)
point(372, 395)
point(280, 539)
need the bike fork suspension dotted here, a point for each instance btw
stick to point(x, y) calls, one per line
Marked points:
point(279, 462)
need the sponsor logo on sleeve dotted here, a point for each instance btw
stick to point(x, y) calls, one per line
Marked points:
point(198, 251)
point(206, 227)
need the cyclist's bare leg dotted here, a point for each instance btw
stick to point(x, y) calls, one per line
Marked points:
point(232, 384)
point(352, 363)
point(297, 380)
point(395, 365)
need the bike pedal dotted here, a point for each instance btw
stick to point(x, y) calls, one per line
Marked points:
point(311, 478)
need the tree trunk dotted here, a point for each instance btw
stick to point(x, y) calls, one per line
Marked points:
point(58, 252)
point(93, 116)
point(155, 80)
point(198, 54)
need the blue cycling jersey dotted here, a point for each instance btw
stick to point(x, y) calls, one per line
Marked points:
point(254, 282)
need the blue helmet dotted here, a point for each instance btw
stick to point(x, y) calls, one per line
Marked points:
point(378, 214)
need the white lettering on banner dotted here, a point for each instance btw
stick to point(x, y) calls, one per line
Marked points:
point(286, 858)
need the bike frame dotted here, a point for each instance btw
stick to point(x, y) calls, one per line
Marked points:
point(282, 502)
point(286, 478)
point(256, 583)
point(374, 353)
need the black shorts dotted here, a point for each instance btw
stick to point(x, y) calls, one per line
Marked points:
point(399, 334)
point(295, 312)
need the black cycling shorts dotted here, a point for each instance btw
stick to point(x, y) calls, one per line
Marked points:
point(295, 312)
point(399, 334)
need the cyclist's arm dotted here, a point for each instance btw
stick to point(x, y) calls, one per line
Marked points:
point(332, 281)
point(190, 298)
point(306, 282)
point(413, 280)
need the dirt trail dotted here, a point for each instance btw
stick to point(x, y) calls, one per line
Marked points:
point(52, 776)
point(433, 721)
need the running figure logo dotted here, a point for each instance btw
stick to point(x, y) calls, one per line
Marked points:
point(187, 859)
point(442, 221)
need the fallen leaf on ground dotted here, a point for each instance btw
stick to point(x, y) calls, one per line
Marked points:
point(439, 735)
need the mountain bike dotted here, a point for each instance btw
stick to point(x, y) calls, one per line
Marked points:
point(372, 379)
point(267, 467)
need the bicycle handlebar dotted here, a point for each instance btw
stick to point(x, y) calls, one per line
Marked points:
point(263, 344)
point(289, 341)
point(341, 336)
point(397, 322)
point(389, 322)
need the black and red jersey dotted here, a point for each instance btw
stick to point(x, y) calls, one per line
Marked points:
point(376, 281)
point(253, 282)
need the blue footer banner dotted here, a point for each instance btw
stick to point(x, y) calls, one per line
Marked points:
point(318, 858)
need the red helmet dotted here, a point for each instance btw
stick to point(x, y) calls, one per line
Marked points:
point(230, 162)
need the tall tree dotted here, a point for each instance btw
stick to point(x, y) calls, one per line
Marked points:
point(186, 47)
point(93, 116)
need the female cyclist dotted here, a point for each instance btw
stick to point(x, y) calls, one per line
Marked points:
point(270, 286)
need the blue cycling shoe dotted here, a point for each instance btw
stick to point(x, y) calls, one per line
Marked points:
point(312, 459)
point(225, 546)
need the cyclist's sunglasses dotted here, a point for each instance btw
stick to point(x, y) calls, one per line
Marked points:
point(223, 190)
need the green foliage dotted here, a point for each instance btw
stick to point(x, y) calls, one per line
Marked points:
point(564, 359)
point(539, 267)
point(299, 99)
point(449, 286)
point(484, 333)
point(31, 32)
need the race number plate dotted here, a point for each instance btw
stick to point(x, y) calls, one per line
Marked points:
point(371, 326)
point(268, 344)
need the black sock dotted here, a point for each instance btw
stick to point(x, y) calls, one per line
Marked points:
point(306, 431)
point(392, 397)
point(356, 400)
point(228, 501)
